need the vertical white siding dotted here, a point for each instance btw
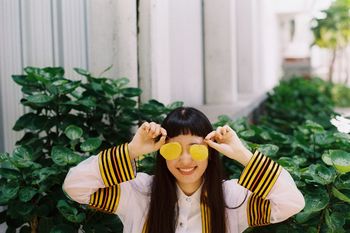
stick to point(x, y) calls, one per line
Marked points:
point(198, 51)
point(74, 40)
point(10, 63)
point(37, 40)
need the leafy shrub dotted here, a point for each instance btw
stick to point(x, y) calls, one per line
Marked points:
point(68, 121)
point(295, 131)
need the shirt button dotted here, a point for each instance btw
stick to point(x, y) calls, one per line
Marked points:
point(188, 199)
point(181, 224)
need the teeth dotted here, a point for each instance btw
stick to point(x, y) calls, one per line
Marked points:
point(186, 169)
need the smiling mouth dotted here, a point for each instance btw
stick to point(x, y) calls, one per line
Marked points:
point(187, 171)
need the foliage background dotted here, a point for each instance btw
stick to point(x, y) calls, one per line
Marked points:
point(70, 120)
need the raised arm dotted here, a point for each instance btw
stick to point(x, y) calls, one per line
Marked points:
point(272, 196)
point(96, 181)
point(97, 178)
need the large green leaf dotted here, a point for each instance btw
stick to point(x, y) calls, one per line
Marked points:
point(343, 181)
point(73, 132)
point(69, 212)
point(247, 133)
point(268, 149)
point(340, 160)
point(175, 104)
point(324, 139)
point(40, 99)
point(82, 72)
point(8, 191)
point(90, 144)
point(22, 157)
point(131, 92)
point(27, 193)
point(10, 174)
point(314, 203)
point(68, 87)
point(344, 195)
point(31, 121)
point(326, 158)
point(38, 74)
point(335, 222)
point(63, 156)
point(25, 81)
point(317, 173)
point(4, 157)
point(313, 126)
point(42, 174)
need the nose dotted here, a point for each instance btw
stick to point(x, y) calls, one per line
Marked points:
point(186, 158)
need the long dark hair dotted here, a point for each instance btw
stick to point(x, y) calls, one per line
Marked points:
point(162, 215)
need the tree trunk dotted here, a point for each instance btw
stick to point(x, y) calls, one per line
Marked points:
point(34, 224)
point(331, 66)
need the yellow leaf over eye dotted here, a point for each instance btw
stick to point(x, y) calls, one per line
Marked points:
point(171, 151)
point(199, 152)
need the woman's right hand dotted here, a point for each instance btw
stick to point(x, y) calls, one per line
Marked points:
point(144, 142)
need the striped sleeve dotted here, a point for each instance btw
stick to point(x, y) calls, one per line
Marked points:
point(106, 199)
point(258, 211)
point(260, 175)
point(115, 165)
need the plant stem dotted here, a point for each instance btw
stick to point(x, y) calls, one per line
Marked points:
point(321, 221)
point(34, 224)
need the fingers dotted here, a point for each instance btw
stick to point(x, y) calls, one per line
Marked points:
point(211, 143)
point(152, 129)
point(161, 141)
point(211, 135)
point(221, 133)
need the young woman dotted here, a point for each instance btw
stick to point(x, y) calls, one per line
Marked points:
point(187, 193)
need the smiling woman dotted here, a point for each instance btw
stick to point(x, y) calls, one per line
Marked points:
point(188, 192)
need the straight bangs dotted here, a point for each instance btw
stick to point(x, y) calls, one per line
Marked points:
point(187, 121)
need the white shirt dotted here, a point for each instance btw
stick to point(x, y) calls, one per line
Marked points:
point(85, 179)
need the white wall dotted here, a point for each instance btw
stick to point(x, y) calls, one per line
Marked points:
point(11, 60)
point(92, 34)
point(203, 52)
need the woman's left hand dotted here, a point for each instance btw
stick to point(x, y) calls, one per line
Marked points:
point(225, 140)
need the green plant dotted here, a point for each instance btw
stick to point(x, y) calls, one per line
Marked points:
point(332, 31)
point(317, 156)
point(68, 121)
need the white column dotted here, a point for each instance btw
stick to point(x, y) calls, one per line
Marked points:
point(10, 63)
point(144, 49)
point(160, 55)
point(112, 33)
point(154, 50)
point(269, 46)
point(170, 51)
point(186, 51)
point(220, 52)
point(247, 50)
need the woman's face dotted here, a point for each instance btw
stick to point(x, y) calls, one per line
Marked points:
point(188, 172)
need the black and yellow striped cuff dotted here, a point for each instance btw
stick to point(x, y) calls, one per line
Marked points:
point(115, 165)
point(258, 211)
point(260, 174)
point(106, 199)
